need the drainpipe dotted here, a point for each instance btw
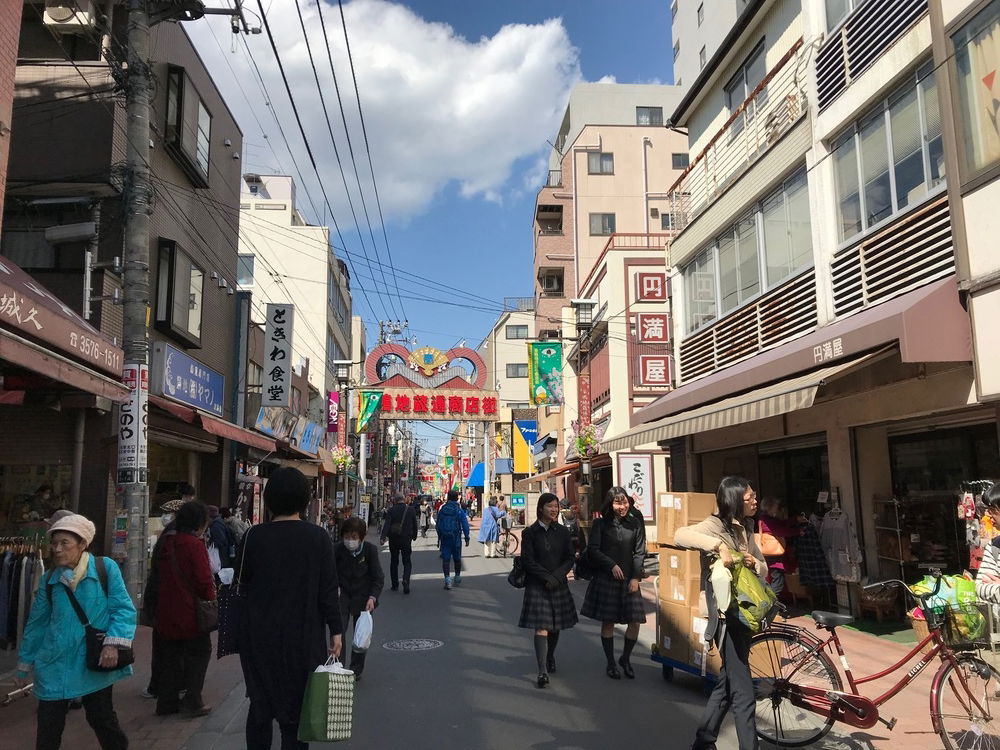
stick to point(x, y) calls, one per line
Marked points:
point(645, 179)
point(79, 433)
point(576, 217)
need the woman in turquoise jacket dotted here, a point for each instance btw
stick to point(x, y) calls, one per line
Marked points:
point(54, 645)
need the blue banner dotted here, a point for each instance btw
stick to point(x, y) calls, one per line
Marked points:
point(188, 381)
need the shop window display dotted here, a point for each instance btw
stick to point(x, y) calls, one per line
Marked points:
point(30, 493)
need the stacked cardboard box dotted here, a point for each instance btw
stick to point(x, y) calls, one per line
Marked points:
point(679, 509)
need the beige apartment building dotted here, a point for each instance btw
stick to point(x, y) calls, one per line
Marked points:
point(819, 275)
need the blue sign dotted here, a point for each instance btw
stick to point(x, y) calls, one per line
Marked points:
point(528, 429)
point(185, 379)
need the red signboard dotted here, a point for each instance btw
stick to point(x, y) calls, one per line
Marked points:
point(652, 328)
point(464, 405)
point(583, 398)
point(651, 287)
point(466, 467)
point(654, 370)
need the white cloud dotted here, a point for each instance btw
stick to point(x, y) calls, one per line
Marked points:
point(607, 79)
point(439, 109)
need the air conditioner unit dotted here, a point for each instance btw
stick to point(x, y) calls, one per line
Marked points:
point(69, 16)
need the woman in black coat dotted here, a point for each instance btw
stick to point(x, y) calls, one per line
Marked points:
point(290, 621)
point(547, 554)
point(617, 549)
point(361, 580)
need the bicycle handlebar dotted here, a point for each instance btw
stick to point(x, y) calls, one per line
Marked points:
point(921, 598)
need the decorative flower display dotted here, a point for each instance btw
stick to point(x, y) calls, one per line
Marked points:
point(587, 439)
point(343, 457)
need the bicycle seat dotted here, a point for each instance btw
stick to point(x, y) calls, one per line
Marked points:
point(830, 620)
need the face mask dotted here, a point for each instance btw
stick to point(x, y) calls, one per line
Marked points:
point(352, 544)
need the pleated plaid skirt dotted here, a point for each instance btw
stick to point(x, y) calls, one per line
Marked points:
point(608, 600)
point(547, 610)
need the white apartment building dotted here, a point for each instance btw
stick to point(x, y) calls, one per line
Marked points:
point(821, 343)
point(284, 259)
point(697, 29)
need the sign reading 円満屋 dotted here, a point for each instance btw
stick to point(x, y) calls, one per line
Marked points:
point(184, 379)
point(277, 387)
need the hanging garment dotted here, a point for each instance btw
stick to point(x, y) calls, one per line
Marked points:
point(813, 570)
point(840, 545)
point(6, 583)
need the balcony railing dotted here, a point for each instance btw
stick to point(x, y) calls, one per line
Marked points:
point(518, 304)
point(554, 179)
point(857, 43)
point(757, 124)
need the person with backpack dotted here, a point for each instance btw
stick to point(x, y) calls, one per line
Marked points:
point(726, 537)
point(80, 588)
point(400, 528)
point(452, 525)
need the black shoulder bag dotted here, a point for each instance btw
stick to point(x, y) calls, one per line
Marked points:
point(94, 637)
point(518, 574)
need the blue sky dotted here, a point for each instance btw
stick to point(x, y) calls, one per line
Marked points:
point(459, 98)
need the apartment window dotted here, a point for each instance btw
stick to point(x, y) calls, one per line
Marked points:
point(677, 49)
point(517, 370)
point(651, 115)
point(891, 157)
point(551, 282)
point(742, 84)
point(679, 161)
point(188, 131)
point(977, 47)
point(516, 332)
point(665, 223)
point(602, 224)
point(702, 58)
point(729, 273)
point(255, 377)
point(701, 17)
point(244, 270)
point(838, 10)
point(295, 401)
point(548, 333)
point(673, 10)
point(179, 292)
point(600, 163)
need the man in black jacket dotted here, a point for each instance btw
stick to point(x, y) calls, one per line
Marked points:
point(400, 528)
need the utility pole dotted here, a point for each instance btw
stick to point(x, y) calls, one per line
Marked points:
point(138, 207)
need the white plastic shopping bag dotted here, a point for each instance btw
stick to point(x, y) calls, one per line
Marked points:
point(214, 561)
point(363, 627)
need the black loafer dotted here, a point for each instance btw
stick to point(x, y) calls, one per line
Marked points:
point(626, 669)
point(613, 673)
point(543, 680)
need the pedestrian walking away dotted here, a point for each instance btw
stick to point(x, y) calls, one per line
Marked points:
point(53, 650)
point(617, 548)
point(359, 573)
point(221, 537)
point(489, 529)
point(290, 620)
point(400, 529)
point(425, 516)
point(452, 525)
point(548, 607)
point(183, 577)
point(725, 537)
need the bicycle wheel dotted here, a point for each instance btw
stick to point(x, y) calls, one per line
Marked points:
point(779, 664)
point(512, 544)
point(967, 718)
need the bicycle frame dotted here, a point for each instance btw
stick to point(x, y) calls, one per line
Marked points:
point(863, 711)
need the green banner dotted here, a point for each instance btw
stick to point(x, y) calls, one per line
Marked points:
point(371, 402)
point(449, 463)
point(545, 373)
point(392, 452)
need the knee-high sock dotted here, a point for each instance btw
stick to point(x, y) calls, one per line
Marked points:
point(541, 652)
point(609, 649)
point(458, 567)
point(553, 638)
point(627, 651)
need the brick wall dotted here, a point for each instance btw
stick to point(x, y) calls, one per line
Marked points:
point(10, 12)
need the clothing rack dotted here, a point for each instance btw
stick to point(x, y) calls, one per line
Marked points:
point(21, 571)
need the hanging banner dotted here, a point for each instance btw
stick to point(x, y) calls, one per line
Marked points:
point(525, 434)
point(368, 408)
point(545, 373)
point(133, 421)
point(466, 468)
point(332, 410)
point(277, 390)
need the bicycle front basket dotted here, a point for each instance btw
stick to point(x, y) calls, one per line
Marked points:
point(962, 625)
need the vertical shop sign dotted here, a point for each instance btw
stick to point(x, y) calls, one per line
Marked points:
point(635, 474)
point(466, 468)
point(583, 396)
point(545, 373)
point(133, 421)
point(332, 411)
point(278, 355)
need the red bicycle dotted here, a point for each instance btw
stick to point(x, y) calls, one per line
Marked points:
point(800, 695)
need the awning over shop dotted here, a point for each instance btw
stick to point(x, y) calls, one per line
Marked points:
point(476, 476)
point(554, 472)
point(309, 468)
point(761, 403)
point(183, 413)
point(31, 356)
point(929, 325)
point(326, 464)
point(232, 432)
point(503, 466)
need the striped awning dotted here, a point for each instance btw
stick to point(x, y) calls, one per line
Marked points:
point(769, 401)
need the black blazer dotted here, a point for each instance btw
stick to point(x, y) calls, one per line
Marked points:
point(547, 555)
point(404, 514)
point(620, 542)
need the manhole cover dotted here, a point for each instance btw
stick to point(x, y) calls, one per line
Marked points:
point(412, 644)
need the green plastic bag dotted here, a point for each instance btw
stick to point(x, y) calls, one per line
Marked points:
point(954, 590)
point(328, 705)
point(755, 601)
